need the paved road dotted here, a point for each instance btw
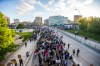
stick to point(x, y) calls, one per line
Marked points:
point(34, 61)
point(87, 56)
point(92, 44)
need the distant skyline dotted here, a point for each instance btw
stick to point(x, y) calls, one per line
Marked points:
point(27, 10)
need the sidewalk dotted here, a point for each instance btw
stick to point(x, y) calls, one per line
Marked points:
point(89, 43)
point(22, 51)
point(32, 61)
point(17, 40)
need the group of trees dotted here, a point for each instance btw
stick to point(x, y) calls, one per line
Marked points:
point(90, 25)
point(20, 26)
point(6, 37)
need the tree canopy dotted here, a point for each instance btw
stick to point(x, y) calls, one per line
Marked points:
point(6, 36)
point(20, 26)
point(90, 25)
point(95, 26)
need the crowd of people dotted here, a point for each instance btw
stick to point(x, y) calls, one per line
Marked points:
point(50, 49)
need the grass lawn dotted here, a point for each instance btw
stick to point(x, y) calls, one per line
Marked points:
point(85, 33)
point(25, 35)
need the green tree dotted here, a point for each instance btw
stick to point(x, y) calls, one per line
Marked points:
point(95, 26)
point(6, 36)
point(83, 23)
point(90, 27)
point(20, 26)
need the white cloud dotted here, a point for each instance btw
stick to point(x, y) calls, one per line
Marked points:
point(37, 13)
point(32, 1)
point(65, 4)
point(25, 6)
point(88, 2)
point(65, 7)
point(56, 7)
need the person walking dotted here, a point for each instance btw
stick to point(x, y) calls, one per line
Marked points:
point(71, 58)
point(78, 52)
point(73, 52)
point(66, 55)
point(27, 54)
point(20, 62)
point(25, 44)
point(68, 46)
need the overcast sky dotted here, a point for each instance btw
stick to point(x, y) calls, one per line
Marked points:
point(27, 10)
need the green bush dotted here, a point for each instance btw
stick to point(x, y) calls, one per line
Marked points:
point(4, 51)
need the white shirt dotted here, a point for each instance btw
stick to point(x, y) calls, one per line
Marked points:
point(58, 61)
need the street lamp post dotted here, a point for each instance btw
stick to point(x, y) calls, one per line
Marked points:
point(79, 14)
point(77, 25)
point(78, 11)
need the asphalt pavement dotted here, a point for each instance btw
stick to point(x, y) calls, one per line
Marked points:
point(87, 56)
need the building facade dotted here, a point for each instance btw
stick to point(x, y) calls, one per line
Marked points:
point(27, 24)
point(77, 17)
point(58, 20)
point(46, 22)
point(38, 21)
point(71, 26)
point(16, 20)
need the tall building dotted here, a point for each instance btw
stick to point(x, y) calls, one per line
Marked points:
point(38, 21)
point(58, 20)
point(77, 17)
point(27, 24)
point(8, 20)
point(16, 20)
point(46, 22)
